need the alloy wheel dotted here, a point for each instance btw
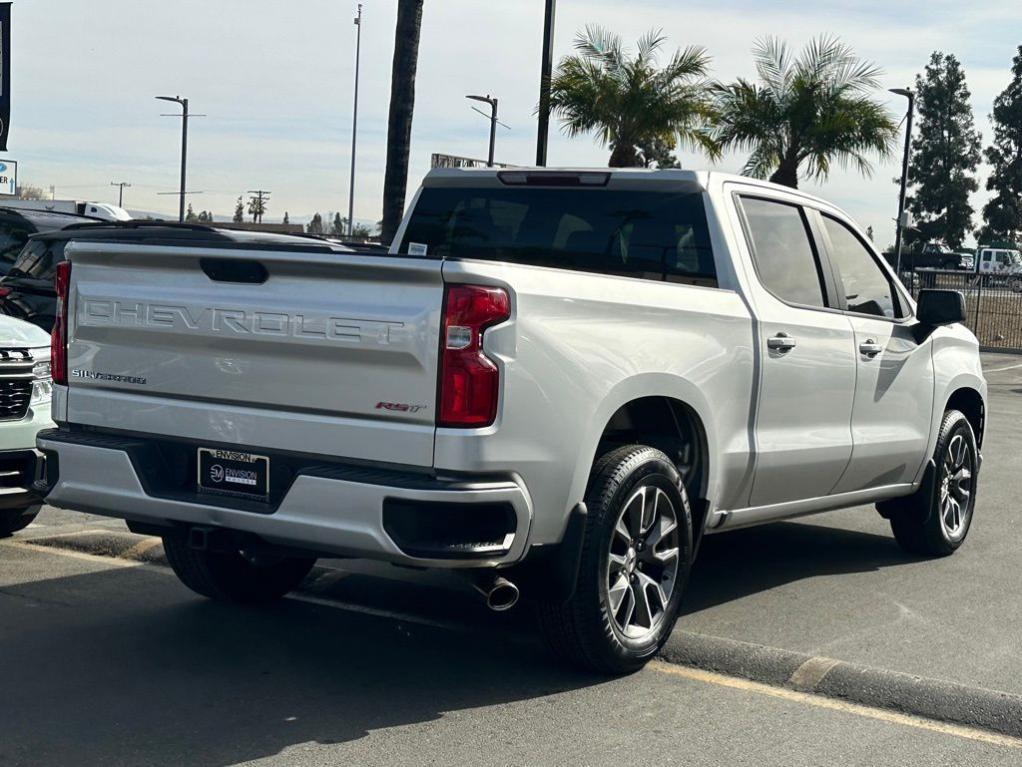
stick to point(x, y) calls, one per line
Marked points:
point(957, 470)
point(642, 562)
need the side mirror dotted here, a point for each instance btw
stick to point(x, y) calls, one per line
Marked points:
point(940, 307)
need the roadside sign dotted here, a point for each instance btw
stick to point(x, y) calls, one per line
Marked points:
point(8, 178)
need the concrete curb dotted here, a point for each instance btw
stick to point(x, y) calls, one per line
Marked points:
point(992, 710)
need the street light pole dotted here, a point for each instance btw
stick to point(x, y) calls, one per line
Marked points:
point(493, 123)
point(184, 149)
point(546, 72)
point(354, 124)
point(899, 236)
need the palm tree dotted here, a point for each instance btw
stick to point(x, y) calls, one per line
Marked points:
point(627, 100)
point(402, 105)
point(804, 113)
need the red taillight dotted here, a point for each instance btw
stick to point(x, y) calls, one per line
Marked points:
point(469, 381)
point(4, 292)
point(58, 338)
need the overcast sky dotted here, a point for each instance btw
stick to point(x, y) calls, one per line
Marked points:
point(274, 78)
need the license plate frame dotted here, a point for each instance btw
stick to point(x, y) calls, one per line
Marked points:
point(233, 472)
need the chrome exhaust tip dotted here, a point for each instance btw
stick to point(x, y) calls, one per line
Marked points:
point(499, 593)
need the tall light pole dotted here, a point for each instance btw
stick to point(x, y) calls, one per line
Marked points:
point(184, 149)
point(492, 117)
point(354, 124)
point(899, 236)
point(546, 72)
point(120, 194)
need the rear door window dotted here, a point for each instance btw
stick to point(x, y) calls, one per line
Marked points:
point(783, 251)
point(651, 235)
point(38, 259)
point(12, 240)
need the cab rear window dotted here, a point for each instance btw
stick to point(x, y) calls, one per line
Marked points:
point(650, 235)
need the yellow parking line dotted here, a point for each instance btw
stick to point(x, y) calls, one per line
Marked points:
point(94, 558)
point(883, 715)
point(1001, 370)
point(140, 548)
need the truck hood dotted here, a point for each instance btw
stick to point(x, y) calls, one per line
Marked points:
point(15, 332)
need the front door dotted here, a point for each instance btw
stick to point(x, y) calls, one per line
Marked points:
point(894, 389)
point(802, 435)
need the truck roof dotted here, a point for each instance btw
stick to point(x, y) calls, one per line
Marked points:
point(701, 178)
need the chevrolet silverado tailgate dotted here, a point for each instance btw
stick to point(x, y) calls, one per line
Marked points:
point(305, 349)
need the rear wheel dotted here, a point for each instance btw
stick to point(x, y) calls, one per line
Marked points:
point(635, 562)
point(13, 520)
point(936, 519)
point(235, 576)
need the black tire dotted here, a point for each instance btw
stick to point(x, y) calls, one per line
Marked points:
point(585, 630)
point(921, 523)
point(233, 577)
point(13, 520)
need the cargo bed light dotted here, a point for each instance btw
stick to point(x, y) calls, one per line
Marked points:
point(553, 178)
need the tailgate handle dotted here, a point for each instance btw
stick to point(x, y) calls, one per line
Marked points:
point(234, 270)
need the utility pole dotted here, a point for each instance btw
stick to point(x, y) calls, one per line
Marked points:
point(546, 72)
point(899, 236)
point(184, 147)
point(259, 196)
point(354, 124)
point(120, 193)
point(494, 122)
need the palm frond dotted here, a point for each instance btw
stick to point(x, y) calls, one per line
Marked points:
point(815, 110)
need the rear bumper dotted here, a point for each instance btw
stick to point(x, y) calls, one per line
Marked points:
point(332, 510)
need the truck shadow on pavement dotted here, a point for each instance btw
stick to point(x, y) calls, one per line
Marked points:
point(744, 562)
point(126, 667)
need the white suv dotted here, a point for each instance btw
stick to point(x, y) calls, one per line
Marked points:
point(25, 388)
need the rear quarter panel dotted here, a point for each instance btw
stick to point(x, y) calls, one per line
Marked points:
point(577, 348)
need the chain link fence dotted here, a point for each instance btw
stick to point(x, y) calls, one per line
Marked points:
point(993, 303)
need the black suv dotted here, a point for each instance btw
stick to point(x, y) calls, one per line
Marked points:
point(27, 291)
point(17, 225)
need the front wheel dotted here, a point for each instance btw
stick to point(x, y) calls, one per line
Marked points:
point(235, 576)
point(936, 519)
point(13, 520)
point(635, 561)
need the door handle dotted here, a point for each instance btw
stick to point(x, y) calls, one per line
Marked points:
point(870, 348)
point(781, 343)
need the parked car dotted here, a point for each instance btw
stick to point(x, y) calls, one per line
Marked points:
point(25, 389)
point(932, 256)
point(16, 226)
point(556, 382)
point(27, 290)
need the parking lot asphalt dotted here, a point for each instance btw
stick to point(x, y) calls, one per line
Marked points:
point(838, 585)
point(104, 662)
point(832, 585)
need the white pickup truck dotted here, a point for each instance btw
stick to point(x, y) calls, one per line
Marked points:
point(557, 381)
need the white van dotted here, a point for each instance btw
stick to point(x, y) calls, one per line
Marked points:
point(1002, 262)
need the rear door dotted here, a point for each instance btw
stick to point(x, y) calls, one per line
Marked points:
point(894, 372)
point(803, 435)
point(308, 350)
